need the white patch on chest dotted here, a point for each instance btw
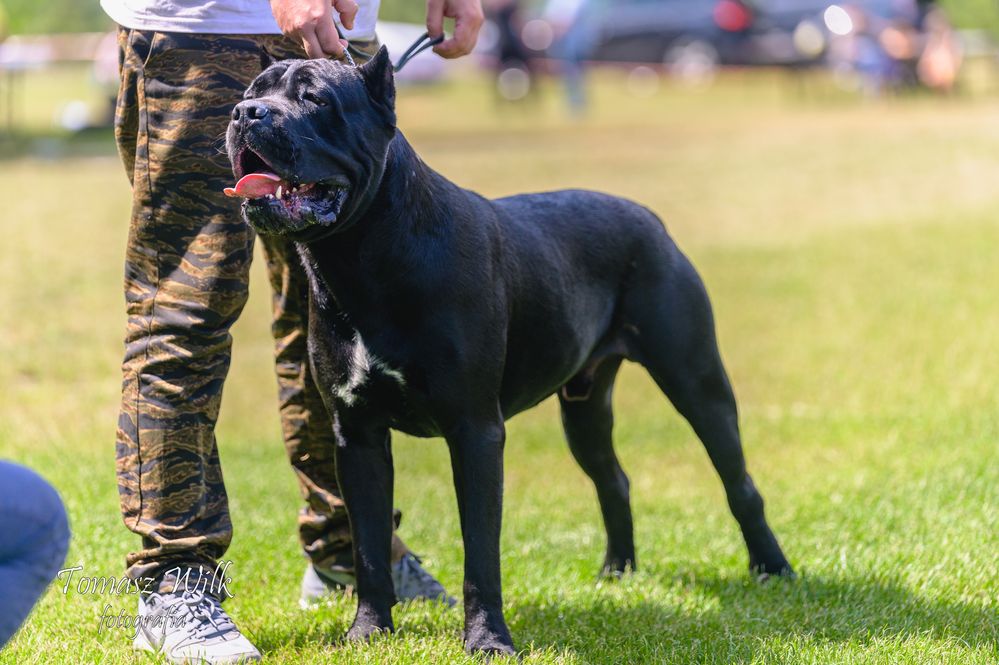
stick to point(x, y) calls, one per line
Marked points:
point(362, 362)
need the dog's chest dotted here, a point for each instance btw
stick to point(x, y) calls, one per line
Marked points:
point(358, 368)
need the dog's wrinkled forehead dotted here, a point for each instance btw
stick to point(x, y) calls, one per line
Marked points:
point(292, 78)
point(299, 89)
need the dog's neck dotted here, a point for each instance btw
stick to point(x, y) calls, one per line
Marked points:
point(382, 239)
point(407, 193)
point(401, 200)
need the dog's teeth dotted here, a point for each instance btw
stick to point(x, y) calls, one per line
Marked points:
point(270, 196)
point(279, 191)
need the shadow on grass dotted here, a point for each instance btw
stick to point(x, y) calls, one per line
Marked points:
point(434, 637)
point(326, 628)
point(727, 620)
point(309, 630)
point(708, 619)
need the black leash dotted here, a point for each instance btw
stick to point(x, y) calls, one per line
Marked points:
point(419, 46)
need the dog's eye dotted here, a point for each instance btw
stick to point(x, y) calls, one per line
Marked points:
point(314, 98)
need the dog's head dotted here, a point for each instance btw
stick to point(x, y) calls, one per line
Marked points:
point(308, 144)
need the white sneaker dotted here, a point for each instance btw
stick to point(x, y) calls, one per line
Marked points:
point(190, 628)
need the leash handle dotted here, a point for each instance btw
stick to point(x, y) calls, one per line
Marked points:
point(419, 46)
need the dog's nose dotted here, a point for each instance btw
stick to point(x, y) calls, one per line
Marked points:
point(250, 111)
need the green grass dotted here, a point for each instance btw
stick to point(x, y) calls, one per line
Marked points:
point(850, 252)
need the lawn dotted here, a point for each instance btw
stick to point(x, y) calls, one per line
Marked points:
point(850, 250)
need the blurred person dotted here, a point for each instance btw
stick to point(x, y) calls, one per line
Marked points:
point(105, 75)
point(511, 52)
point(574, 23)
point(861, 53)
point(899, 40)
point(942, 55)
point(183, 66)
point(870, 59)
point(34, 538)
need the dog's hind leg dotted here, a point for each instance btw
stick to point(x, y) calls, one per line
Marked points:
point(674, 338)
point(588, 420)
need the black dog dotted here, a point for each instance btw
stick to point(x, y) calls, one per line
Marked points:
point(437, 312)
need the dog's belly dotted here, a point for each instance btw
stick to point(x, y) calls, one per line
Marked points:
point(537, 366)
point(565, 274)
point(543, 358)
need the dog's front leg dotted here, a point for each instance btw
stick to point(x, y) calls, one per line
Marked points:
point(477, 463)
point(365, 474)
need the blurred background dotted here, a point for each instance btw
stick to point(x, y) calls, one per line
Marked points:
point(59, 71)
point(833, 171)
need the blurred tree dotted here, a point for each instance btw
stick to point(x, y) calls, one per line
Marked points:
point(4, 24)
point(976, 14)
point(407, 11)
point(31, 16)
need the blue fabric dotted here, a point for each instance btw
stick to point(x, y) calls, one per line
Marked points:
point(34, 537)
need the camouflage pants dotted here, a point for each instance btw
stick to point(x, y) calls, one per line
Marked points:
point(186, 281)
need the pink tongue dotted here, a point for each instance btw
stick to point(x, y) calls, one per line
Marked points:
point(255, 186)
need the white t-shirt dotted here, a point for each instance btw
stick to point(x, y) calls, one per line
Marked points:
point(234, 17)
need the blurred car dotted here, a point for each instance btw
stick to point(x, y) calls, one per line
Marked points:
point(703, 34)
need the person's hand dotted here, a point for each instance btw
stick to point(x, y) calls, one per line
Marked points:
point(467, 15)
point(310, 22)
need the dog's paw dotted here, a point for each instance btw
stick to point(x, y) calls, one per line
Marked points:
point(616, 567)
point(489, 642)
point(364, 633)
point(491, 650)
point(778, 567)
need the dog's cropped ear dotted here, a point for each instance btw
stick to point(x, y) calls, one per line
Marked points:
point(380, 82)
point(266, 59)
